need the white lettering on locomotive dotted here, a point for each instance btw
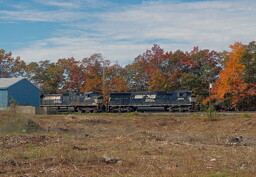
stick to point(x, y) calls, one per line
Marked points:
point(52, 98)
point(142, 96)
point(139, 96)
point(151, 96)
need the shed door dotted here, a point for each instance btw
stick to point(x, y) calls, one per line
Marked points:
point(3, 99)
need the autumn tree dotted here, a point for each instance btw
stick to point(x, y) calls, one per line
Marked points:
point(201, 67)
point(142, 70)
point(46, 75)
point(19, 68)
point(114, 80)
point(95, 66)
point(154, 62)
point(10, 66)
point(159, 70)
point(174, 69)
point(73, 74)
point(231, 86)
point(136, 79)
point(249, 60)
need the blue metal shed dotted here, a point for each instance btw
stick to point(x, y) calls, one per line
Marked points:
point(18, 90)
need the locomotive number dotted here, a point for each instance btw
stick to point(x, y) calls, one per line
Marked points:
point(57, 101)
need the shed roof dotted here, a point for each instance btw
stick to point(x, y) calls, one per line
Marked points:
point(7, 82)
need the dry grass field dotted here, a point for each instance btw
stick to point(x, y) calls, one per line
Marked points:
point(127, 145)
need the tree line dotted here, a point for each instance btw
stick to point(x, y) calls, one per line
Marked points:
point(232, 73)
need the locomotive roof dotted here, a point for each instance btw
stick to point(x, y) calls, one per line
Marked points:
point(149, 92)
point(88, 93)
point(69, 93)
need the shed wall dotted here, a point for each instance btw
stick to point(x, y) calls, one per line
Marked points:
point(24, 93)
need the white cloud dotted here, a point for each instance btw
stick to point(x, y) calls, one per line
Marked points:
point(125, 33)
point(77, 4)
point(59, 4)
point(41, 16)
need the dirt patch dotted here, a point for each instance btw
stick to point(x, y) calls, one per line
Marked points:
point(94, 121)
point(9, 142)
point(131, 145)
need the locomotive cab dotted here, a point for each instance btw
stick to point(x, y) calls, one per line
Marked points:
point(182, 100)
point(192, 99)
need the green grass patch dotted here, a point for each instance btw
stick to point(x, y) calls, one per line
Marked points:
point(223, 175)
point(246, 115)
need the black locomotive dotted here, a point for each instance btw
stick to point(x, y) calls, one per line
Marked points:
point(179, 100)
point(78, 102)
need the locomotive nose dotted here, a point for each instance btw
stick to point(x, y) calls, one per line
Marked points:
point(99, 99)
point(192, 99)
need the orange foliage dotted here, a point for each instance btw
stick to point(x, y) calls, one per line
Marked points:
point(158, 81)
point(231, 84)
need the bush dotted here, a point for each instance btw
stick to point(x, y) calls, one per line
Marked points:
point(12, 122)
point(246, 115)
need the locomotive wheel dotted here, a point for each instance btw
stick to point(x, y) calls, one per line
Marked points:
point(129, 110)
point(171, 110)
point(110, 109)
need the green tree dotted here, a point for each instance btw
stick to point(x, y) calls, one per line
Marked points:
point(46, 75)
point(201, 68)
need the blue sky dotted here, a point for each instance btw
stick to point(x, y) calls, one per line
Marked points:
point(120, 30)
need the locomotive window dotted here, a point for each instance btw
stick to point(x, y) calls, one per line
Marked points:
point(188, 93)
point(181, 94)
point(86, 95)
